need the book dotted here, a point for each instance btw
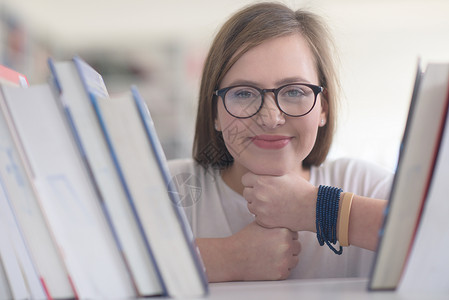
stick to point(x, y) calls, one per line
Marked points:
point(67, 194)
point(419, 148)
point(14, 276)
point(25, 202)
point(427, 266)
point(12, 77)
point(13, 238)
point(76, 81)
point(10, 260)
point(141, 163)
point(5, 291)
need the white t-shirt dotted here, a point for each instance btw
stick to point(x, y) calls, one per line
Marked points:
point(213, 209)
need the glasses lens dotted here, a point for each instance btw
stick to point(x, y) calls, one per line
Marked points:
point(243, 101)
point(296, 99)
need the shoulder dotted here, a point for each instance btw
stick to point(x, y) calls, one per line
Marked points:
point(351, 166)
point(177, 166)
point(354, 175)
point(189, 167)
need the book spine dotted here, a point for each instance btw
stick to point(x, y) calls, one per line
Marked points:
point(160, 155)
point(97, 191)
point(126, 188)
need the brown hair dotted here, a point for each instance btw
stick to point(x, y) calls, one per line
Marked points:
point(246, 29)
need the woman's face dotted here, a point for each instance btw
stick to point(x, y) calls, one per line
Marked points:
point(270, 142)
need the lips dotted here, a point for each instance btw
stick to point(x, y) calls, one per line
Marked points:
point(271, 141)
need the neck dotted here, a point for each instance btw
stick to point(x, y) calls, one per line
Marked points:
point(233, 174)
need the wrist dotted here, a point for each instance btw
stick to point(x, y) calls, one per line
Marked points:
point(233, 269)
point(308, 219)
point(327, 209)
point(216, 254)
point(343, 218)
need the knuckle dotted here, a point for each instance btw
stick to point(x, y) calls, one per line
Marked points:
point(283, 248)
point(283, 273)
point(246, 193)
point(285, 232)
point(258, 194)
point(260, 182)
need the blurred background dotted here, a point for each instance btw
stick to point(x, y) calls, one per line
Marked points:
point(160, 46)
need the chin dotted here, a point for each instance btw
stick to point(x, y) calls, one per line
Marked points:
point(273, 168)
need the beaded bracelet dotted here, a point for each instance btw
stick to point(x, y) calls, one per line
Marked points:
point(326, 216)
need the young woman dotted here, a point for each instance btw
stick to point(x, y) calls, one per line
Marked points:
point(266, 117)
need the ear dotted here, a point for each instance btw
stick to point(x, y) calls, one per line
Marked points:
point(217, 125)
point(324, 109)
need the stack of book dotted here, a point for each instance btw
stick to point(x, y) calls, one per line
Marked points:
point(86, 206)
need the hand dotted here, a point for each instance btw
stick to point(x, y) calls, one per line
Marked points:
point(253, 253)
point(265, 254)
point(281, 201)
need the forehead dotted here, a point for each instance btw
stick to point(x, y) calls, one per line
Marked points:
point(275, 61)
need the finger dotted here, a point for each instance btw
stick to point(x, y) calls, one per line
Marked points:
point(261, 223)
point(296, 248)
point(249, 179)
point(294, 235)
point(247, 194)
point(251, 207)
point(293, 262)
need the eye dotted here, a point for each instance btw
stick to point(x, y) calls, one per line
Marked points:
point(294, 91)
point(243, 93)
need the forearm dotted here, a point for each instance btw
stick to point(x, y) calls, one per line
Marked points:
point(214, 253)
point(365, 221)
point(253, 253)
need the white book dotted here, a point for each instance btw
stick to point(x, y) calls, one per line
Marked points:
point(10, 259)
point(67, 194)
point(410, 186)
point(17, 243)
point(427, 268)
point(140, 161)
point(5, 291)
point(76, 80)
point(25, 204)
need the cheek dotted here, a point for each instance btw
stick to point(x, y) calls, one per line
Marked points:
point(235, 131)
point(223, 118)
point(307, 130)
point(235, 134)
point(230, 125)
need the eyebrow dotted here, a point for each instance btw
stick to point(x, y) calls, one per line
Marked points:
point(281, 82)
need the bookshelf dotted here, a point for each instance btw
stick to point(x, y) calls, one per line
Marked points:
point(336, 289)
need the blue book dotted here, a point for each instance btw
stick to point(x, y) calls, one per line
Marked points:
point(76, 82)
point(141, 163)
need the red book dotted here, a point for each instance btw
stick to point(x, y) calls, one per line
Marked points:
point(14, 77)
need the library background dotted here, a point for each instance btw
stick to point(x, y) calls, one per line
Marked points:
point(159, 46)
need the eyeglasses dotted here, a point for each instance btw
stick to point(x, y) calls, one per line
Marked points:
point(294, 100)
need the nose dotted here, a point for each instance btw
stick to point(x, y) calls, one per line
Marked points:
point(270, 116)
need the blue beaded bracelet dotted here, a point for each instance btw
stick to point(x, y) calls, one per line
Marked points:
point(326, 216)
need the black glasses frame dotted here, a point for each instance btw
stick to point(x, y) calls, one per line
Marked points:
point(315, 88)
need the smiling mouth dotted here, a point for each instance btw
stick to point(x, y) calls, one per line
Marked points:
point(271, 141)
